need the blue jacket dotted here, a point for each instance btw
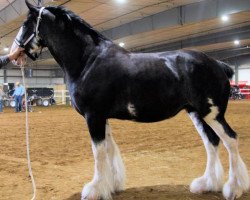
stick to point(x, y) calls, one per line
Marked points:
point(19, 91)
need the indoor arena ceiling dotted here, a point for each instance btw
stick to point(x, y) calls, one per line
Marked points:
point(4, 3)
point(150, 25)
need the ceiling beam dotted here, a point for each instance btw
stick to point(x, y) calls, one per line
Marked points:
point(191, 13)
point(228, 54)
point(213, 38)
point(12, 11)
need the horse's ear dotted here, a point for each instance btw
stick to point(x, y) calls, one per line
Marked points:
point(31, 7)
point(39, 3)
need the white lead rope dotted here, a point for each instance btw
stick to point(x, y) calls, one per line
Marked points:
point(27, 137)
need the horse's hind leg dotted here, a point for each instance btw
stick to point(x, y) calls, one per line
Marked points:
point(212, 180)
point(115, 160)
point(102, 184)
point(238, 181)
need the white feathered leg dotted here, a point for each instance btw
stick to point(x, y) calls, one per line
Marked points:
point(238, 181)
point(212, 180)
point(102, 185)
point(115, 159)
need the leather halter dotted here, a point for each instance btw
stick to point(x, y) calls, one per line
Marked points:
point(35, 34)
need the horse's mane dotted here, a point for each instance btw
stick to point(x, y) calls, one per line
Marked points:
point(77, 23)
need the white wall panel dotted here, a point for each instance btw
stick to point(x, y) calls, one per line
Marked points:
point(244, 75)
point(41, 73)
point(57, 81)
point(14, 73)
point(14, 79)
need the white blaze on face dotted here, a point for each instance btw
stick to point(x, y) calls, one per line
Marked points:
point(14, 45)
point(20, 60)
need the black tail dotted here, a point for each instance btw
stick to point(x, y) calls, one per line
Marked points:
point(228, 70)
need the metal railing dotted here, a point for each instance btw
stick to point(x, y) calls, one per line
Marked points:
point(62, 97)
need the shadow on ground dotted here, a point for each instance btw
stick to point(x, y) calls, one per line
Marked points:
point(162, 192)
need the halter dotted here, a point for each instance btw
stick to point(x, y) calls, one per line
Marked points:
point(35, 34)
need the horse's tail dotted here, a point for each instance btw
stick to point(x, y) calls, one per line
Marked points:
point(228, 70)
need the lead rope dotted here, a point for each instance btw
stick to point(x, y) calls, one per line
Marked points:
point(27, 136)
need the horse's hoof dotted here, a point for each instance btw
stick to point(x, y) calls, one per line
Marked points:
point(198, 186)
point(232, 191)
point(205, 184)
point(96, 191)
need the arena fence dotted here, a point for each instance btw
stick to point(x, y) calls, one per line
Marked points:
point(62, 97)
point(246, 93)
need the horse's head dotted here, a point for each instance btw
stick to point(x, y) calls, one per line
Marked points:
point(30, 35)
point(65, 34)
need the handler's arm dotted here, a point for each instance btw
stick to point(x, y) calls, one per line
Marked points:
point(4, 60)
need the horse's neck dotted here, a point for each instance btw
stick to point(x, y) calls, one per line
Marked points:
point(72, 54)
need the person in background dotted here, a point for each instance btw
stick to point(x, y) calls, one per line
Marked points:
point(4, 60)
point(1, 100)
point(18, 96)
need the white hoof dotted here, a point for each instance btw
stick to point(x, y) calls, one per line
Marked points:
point(96, 191)
point(243, 177)
point(237, 184)
point(232, 191)
point(119, 183)
point(119, 174)
point(205, 184)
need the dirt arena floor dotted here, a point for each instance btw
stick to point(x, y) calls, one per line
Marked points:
point(161, 159)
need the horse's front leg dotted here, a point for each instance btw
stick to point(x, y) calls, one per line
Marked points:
point(115, 159)
point(102, 185)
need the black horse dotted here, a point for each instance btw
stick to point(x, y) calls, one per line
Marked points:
point(106, 81)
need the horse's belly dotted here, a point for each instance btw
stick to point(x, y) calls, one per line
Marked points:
point(148, 112)
point(158, 112)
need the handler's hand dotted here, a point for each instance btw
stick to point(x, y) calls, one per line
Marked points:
point(21, 60)
point(16, 54)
